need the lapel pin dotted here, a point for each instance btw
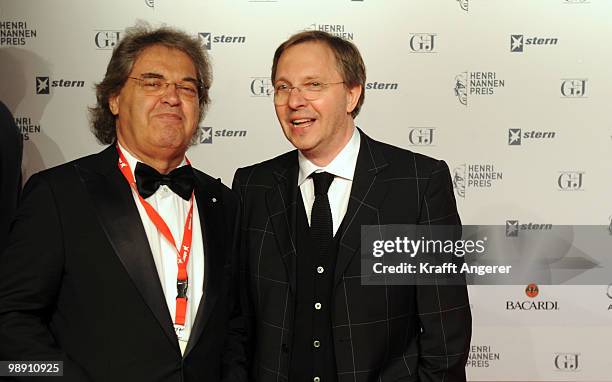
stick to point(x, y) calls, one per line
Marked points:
point(214, 200)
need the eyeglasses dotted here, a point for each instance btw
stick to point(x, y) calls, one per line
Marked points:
point(158, 86)
point(310, 91)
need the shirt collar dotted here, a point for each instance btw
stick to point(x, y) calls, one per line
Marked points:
point(343, 165)
point(132, 160)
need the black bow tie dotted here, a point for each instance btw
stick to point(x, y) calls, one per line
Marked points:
point(180, 180)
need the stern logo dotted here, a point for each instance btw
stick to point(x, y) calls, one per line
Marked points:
point(513, 227)
point(42, 85)
point(567, 361)
point(150, 3)
point(518, 42)
point(205, 40)
point(381, 85)
point(422, 42)
point(570, 180)
point(207, 133)
point(516, 136)
point(463, 4)
point(208, 40)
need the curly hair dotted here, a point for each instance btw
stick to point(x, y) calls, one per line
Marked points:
point(134, 40)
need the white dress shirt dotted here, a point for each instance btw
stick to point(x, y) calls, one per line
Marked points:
point(339, 193)
point(173, 209)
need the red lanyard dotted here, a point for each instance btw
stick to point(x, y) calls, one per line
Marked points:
point(182, 254)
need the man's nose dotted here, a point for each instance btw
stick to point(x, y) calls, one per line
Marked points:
point(171, 95)
point(296, 99)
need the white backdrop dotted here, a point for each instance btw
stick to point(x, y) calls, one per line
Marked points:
point(544, 67)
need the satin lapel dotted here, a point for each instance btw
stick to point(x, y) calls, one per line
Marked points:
point(281, 203)
point(367, 194)
point(119, 218)
point(212, 221)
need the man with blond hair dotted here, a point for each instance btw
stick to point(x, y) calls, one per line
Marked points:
point(302, 212)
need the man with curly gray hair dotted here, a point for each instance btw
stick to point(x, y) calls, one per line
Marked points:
point(121, 264)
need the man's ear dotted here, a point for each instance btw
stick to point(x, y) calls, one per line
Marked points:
point(352, 97)
point(113, 104)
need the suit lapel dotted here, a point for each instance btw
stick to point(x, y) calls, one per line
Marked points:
point(120, 220)
point(367, 194)
point(212, 221)
point(281, 202)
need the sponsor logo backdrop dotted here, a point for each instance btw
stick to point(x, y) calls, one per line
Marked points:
point(515, 96)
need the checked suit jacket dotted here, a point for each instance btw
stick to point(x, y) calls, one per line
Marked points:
point(380, 333)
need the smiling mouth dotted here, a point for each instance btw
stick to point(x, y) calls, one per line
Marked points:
point(302, 122)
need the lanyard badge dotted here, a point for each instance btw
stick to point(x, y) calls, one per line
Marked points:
point(182, 252)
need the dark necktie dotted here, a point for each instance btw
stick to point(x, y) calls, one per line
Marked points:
point(180, 180)
point(321, 224)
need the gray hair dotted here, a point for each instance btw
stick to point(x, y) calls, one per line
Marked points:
point(134, 40)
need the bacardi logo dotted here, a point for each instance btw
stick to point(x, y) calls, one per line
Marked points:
point(532, 290)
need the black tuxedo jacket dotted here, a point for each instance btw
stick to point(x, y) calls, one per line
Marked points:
point(380, 333)
point(78, 282)
point(11, 146)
